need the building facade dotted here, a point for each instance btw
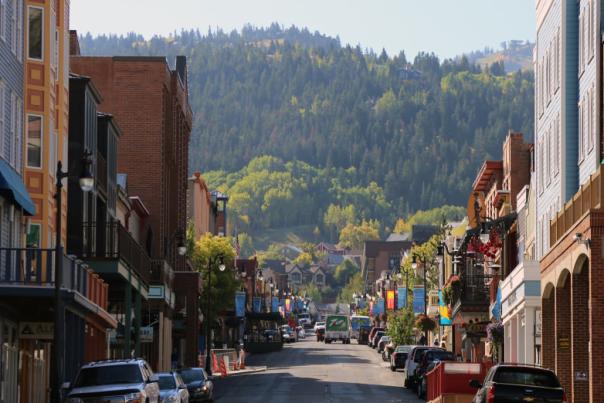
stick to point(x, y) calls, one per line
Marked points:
point(150, 101)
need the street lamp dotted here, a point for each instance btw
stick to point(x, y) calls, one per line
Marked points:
point(414, 265)
point(222, 267)
point(57, 364)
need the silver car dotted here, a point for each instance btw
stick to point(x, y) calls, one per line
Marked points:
point(172, 388)
point(115, 381)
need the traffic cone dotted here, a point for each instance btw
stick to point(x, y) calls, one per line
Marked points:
point(223, 367)
point(215, 366)
point(242, 359)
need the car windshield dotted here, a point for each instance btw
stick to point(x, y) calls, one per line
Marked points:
point(440, 356)
point(320, 323)
point(166, 382)
point(402, 349)
point(526, 376)
point(192, 375)
point(109, 375)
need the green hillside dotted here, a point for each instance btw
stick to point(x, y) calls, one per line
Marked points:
point(417, 127)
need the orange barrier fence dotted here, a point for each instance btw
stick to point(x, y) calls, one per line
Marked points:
point(453, 378)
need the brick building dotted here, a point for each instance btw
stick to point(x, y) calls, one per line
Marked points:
point(381, 256)
point(149, 99)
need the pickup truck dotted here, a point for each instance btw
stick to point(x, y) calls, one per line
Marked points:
point(510, 383)
point(337, 327)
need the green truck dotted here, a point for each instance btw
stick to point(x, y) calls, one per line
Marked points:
point(337, 327)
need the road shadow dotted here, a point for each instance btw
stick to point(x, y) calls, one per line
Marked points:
point(277, 387)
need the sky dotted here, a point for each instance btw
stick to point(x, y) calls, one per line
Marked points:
point(445, 27)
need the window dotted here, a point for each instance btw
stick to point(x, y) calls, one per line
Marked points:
point(557, 146)
point(13, 27)
point(592, 118)
point(319, 279)
point(52, 158)
point(2, 112)
point(33, 236)
point(296, 277)
point(54, 43)
point(34, 141)
point(3, 24)
point(580, 132)
point(19, 30)
point(19, 139)
point(10, 141)
point(35, 33)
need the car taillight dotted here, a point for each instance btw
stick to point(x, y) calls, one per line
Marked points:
point(564, 397)
point(491, 394)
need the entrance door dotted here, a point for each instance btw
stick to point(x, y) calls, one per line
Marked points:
point(9, 362)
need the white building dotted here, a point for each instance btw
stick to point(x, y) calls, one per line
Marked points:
point(521, 290)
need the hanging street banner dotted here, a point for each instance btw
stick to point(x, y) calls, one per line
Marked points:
point(418, 300)
point(288, 305)
point(390, 300)
point(444, 311)
point(379, 306)
point(402, 298)
point(362, 303)
point(275, 304)
point(240, 304)
point(257, 304)
point(496, 311)
point(300, 305)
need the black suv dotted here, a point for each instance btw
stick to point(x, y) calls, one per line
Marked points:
point(114, 380)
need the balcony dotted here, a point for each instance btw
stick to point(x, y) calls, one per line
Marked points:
point(114, 243)
point(30, 273)
point(587, 198)
point(101, 169)
point(475, 293)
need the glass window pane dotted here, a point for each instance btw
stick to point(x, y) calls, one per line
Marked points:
point(36, 22)
point(34, 141)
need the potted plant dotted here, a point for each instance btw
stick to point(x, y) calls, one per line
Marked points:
point(425, 323)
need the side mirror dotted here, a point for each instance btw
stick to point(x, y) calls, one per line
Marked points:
point(211, 377)
point(475, 384)
point(182, 386)
point(66, 385)
point(153, 379)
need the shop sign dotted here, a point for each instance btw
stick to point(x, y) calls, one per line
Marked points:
point(36, 330)
point(477, 329)
point(146, 334)
point(563, 344)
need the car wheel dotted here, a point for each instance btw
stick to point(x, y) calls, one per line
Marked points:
point(393, 369)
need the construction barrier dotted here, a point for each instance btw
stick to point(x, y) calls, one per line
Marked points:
point(450, 381)
point(218, 354)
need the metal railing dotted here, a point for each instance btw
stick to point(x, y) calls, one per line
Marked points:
point(475, 289)
point(115, 242)
point(36, 267)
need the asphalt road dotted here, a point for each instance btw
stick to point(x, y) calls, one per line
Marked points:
point(308, 371)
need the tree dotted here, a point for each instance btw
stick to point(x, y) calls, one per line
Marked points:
point(311, 291)
point(337, 217)
point(304, 259)
point(344, 271)
point(401, 227)
point(354, 236)
point(207, 250)
point(400, 327)
point(356, 284)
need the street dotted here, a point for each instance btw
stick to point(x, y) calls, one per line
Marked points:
point(308, 371)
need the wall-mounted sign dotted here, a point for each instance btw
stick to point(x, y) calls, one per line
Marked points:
point(36, 330)
point(146, 334)
point(563, 344)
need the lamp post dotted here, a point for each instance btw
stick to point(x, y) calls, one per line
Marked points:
point(222, 267)
point(57, 359)
point(414, 265)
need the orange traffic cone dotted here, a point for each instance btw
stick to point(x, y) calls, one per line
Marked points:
point(215, 367)
point(223, 367)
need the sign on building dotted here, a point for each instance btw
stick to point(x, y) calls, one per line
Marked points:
point(36, 330)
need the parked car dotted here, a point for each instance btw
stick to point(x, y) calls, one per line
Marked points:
point(505, 382)
point(364, 334)
point(413, 359)
point(288, 334)
point(172, 388)
point(376, 338)
point(381, 344)
point(199, 384)
point(304, 319)
point(372, 333)
point(399, 356)
point(128, 380)
point(428, 358)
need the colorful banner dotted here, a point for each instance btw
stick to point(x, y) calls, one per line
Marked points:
point(362, 303)
point(379, 306)
point(496, 311)
point(240, 304)
point(257, 304)
point(402, 298)
point(390, 300)
point(418, 300)
point(288, 305)
point(300, 304)
point(275, 304)
point(444, 311)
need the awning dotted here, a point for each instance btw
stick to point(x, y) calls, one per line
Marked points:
point(13, 187)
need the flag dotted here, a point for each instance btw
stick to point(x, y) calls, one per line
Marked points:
point(418, 299)
point(444, 311)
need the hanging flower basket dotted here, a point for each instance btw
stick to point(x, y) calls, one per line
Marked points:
point(425, 323)
point(495, 332)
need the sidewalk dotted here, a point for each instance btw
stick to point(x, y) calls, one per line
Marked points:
point(247, 370)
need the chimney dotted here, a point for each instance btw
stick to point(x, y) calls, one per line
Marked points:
point(74, 43)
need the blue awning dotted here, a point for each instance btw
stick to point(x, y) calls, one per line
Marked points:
point(12, 186)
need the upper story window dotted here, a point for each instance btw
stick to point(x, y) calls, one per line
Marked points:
point(2, 112)
point(35, 33)
point(320, 279)
point(34, 141)
point(296, 277)
point(3, 22)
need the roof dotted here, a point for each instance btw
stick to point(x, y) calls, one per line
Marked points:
point(276, 265)
point(421, 233)
point(397, 237)
point(373, 248)
point(488, 169)
point(12, 186)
